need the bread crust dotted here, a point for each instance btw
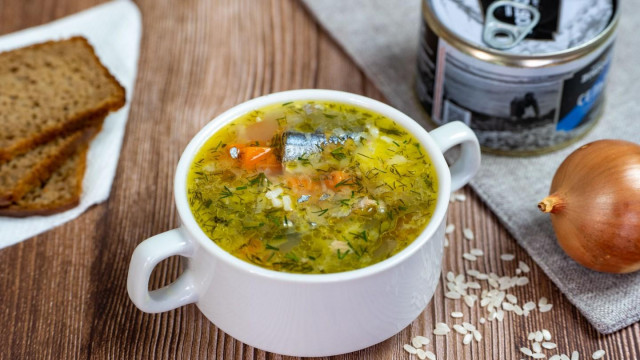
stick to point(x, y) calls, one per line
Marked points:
point(80, 120)
point(43, 170)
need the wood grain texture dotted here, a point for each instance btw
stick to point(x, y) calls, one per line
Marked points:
point(63, 293)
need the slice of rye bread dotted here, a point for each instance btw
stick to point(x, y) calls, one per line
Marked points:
point(51, 89)
point(59, 193)
point(27, 171)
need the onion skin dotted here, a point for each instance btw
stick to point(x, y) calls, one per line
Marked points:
point(594, 204)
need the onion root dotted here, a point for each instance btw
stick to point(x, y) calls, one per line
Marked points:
point(551, 204)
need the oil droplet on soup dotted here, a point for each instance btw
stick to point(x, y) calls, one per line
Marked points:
point(312, 187)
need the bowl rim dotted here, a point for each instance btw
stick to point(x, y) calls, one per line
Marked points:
point(190, 225)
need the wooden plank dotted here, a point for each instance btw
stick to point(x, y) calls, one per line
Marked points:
point(63, 293)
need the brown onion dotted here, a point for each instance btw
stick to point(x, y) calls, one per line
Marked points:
point(595, 206)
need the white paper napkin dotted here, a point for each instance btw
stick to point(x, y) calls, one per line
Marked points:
point(114, 30)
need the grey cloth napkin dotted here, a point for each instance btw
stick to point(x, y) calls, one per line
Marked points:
point(382, 38)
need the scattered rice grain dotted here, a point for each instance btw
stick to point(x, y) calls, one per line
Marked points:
point(526, 351)
point(410, 349)
point(477, 252)
point(457, 314)
point(546, 334)
point(598, 354)
point(421, 354)
point(450, 228)
point(545, 308)
point(543, 300)
point(469, 301)
point(532, 336)
point(536, 347)
point(468, 326)
point(430, 355)
point(446, 242)
point(468, 234)
point(473, 285)
point(555, 357)
point(539, 336)
point(512, 299)
point(451, 276)
point(482, 320)
point(467, 339)
point(529, 306)
point(522, 281)
point(507, 257)
point(421, 339)
point(523, 266)
point(460, 329)
point(575, 355)
point(538, 356)
point(549, 345)
point(453, 295)
point(469, 257)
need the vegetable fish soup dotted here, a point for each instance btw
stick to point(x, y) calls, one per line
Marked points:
point(312, 187)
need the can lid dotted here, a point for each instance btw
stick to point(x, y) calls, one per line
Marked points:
point(579, 22)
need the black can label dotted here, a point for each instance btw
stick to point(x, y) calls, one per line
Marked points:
point(511, 109)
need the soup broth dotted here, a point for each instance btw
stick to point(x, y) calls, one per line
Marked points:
point(312, 187)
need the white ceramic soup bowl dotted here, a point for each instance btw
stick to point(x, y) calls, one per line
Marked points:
point(304, 314)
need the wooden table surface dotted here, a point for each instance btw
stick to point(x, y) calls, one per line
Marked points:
point(63, 293)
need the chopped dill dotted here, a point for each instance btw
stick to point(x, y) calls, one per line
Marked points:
point(271, 247)
point(225, 193)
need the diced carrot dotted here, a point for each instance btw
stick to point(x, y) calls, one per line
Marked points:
point(337, 179)
point(252, 248)
point(257, 158)
point(303, 184)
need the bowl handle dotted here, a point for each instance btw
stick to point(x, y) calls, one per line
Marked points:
point(467, 165)
point(145, 257)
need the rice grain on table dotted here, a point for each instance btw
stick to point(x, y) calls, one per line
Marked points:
point(536, 347)
point(453, 295)
point(457, 314)
point(470, 301)
point(526, 351)
point(476, 252)
point(538, 356)
point(468, 234)
point(477, 335)
point(469, 257)
point(449, 229)
point(549, 345)
point(460, 329)
point(555, 357)
point(467, 339)
point(539, 336)
point(507, 257)
point(421, 340)
point(598, 354)
point(575, 355)
point(523, 266)
point(545, 308)
point(410, 349)
point(546, 334)
point(430, 355)
point(421, 354)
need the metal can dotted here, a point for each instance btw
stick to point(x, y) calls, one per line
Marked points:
point(532, 99)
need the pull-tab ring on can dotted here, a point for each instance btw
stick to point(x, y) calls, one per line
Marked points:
point(500, 35)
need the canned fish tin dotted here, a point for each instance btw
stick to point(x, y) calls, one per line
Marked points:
point(535, 97)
